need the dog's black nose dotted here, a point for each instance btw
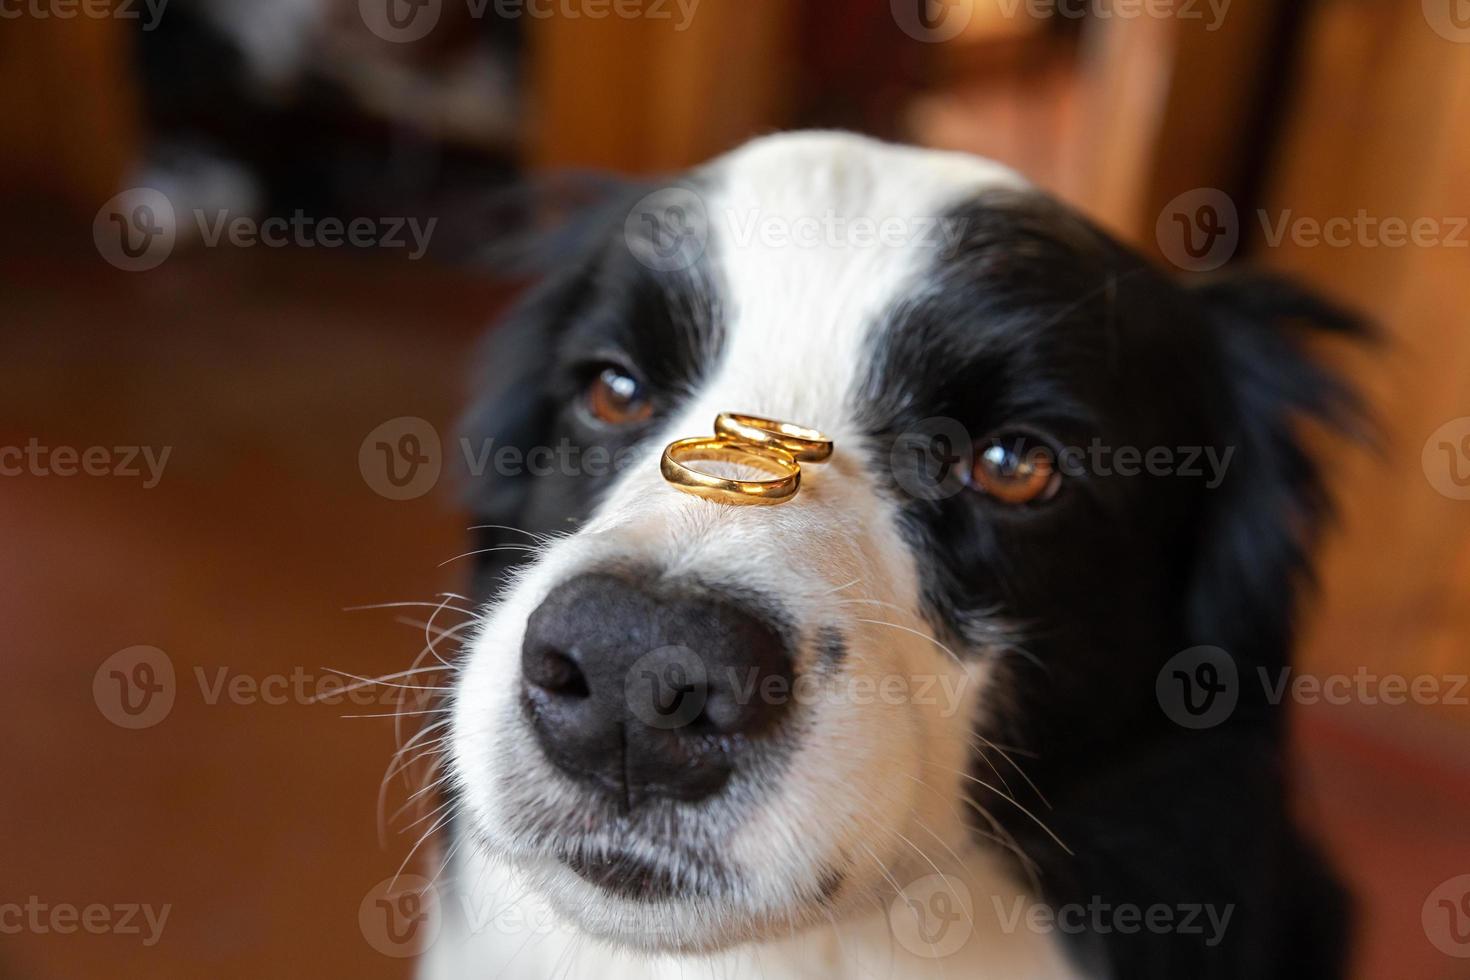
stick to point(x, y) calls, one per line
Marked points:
point(648, 691)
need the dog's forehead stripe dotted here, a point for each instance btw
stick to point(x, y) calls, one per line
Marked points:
point(804, 277)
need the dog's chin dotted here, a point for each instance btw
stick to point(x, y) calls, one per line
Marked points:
point(650, 907)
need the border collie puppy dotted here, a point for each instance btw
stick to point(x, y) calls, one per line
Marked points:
point(980, 700)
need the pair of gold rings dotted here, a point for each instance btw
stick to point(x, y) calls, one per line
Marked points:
point(777, 448)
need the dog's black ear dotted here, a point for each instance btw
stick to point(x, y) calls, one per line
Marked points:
point(1253, 551)
point(513, 408)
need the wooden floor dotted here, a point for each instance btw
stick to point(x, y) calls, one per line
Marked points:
point(256, 823)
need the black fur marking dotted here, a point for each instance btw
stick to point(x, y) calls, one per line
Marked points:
point(603, 304)
point(831, 648)
point(1041, 323)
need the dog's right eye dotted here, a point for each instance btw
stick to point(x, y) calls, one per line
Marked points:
point(616, 397)
point(1015, 468)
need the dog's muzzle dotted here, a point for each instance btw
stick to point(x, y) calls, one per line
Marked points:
point(646, 691)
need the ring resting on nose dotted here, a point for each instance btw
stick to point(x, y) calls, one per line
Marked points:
point(806, 445)
point(769, 459)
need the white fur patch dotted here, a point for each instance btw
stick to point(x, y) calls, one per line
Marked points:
point(498, 930)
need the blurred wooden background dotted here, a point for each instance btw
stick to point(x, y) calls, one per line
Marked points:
point(1320, 109)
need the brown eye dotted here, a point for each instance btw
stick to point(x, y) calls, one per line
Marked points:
point(615, 397)
point(1015, 470)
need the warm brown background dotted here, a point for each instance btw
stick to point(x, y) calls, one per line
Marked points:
point(264, 371)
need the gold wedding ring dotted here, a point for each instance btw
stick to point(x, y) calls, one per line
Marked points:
point(770, 459)
point(806, 445)
point(778, 448)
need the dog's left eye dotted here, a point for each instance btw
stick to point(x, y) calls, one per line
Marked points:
point(617, 397)
point(1015, 469)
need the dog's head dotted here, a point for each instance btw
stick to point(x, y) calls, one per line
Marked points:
point(690, 724)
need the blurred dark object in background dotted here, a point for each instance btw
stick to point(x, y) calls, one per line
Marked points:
point(276, 106)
